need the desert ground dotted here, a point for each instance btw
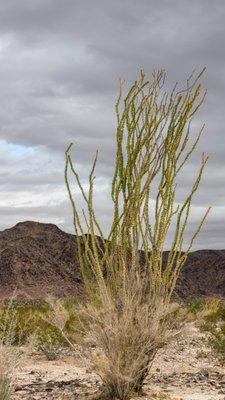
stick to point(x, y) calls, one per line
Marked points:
point(185, 370)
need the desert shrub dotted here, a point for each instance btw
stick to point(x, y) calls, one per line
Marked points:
point(23, 323)
point(49, 339)
point(27, 319)
point(58, 327)
point(202, 308)
point(53, 324)
point(214, 325)
point(195, 306)
point(128, 282)
point(50, 346)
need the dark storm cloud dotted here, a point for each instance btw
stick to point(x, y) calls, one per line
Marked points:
point(59, 67)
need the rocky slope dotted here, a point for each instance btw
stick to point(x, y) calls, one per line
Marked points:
point(39, 259)
point(203, 274)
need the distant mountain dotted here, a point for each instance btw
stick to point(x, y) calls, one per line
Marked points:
point(203, 274)
point(39, 259)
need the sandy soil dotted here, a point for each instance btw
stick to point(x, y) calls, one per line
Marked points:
point(184, 370)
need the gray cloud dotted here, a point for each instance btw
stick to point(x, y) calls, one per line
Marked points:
point(59, 69)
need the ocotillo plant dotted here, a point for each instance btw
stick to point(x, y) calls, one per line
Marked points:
point(128, 283)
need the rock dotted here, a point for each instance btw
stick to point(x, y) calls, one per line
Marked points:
point(203, 375)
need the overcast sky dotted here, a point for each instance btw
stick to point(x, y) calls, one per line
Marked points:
point(60, 61)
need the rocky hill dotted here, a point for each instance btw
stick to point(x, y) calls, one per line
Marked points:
point(40, 259)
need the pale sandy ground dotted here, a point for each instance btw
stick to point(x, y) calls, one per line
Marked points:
point(184, 370)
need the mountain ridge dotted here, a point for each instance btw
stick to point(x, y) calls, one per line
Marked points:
point(38, 259)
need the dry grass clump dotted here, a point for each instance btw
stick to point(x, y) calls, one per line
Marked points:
point(129, 283)
point(9, 362)
point(128, 338)
point(10, 355)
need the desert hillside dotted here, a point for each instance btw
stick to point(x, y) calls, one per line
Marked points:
point(37, 259)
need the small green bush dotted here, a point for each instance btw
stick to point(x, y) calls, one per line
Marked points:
point(196, 305)
point(214, 325)
point(36, 319)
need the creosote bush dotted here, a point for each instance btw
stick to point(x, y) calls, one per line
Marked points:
point(129, 284)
